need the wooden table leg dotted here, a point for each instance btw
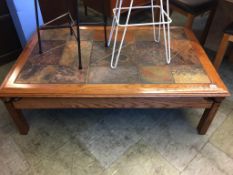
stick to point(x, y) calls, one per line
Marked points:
point(208, 116)
point(18, 118)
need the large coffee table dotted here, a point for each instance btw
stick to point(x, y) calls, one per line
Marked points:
point(142, 79)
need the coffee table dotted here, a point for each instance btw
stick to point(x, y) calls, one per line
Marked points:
point(142, 79)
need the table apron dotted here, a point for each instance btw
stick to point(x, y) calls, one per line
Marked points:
point(66, 103)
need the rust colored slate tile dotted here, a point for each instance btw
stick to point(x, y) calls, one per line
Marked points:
point(71, 75)
point(50, 57)
point(69, 55)
point(148, 53)
point(46, 46)
point(59, 65)
point(189, 74)
point(101, 56)
point(148, 35)
point(183, 53)
point(57, 34)
point(107, 75)
point(41, 74)
point(99, 36)
point(156, 74)
point(36, 74)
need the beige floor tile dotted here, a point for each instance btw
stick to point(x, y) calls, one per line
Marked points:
point(52, 167)
point(141, 159)
point(210, 161)
point(223, 137)
point(226, 106)
point(60, 161)
point(12, 160)
point(4, 115)
point(4, 70)
point(113, 135)
point(45, 137)
point(84, 163)
point(194, 116)
point(175, 136)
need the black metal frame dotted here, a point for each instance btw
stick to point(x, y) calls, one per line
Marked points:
point(71, 24)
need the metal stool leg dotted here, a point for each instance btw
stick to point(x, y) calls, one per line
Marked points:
point(169, 35)
point(166, 35)
point(156, 38)
point(78, 37)
point(116, 28)
point(162, 21)
point(38, 26)
point(105, 20)
point(113, 24)
point(114, 60)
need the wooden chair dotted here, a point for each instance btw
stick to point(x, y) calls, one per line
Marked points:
point(228, 36)
point(193, 8)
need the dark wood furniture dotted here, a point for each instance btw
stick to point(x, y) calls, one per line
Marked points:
point(227, 37)
point(193, 8)
point(9, 41)
point(110, 4)
point(142, 79)
point(55, 8)
point(223, 17)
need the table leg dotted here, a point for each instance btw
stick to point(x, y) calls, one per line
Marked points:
point(208, 117)
point(18, 118)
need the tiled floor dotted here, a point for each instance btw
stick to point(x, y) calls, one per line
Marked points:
point(108, 142)
point(119, 142)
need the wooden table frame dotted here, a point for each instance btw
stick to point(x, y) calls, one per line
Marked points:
point(44, 96)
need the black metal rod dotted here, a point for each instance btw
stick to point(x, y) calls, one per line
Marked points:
point(70, 25)
point(54, 27)
point(57, 18)
point(78, 36)
point(38, 26)
point(105, 23)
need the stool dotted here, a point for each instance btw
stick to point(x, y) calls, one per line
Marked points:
point(70, 25)
point(193, 8)
point(164, 20)
point(228, 36)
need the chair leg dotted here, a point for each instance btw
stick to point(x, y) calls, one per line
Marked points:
point(207, 26)
point(221, 51)
point(190, 20)
point(85, 10)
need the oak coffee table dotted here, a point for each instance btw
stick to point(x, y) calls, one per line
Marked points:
point(141, 80)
